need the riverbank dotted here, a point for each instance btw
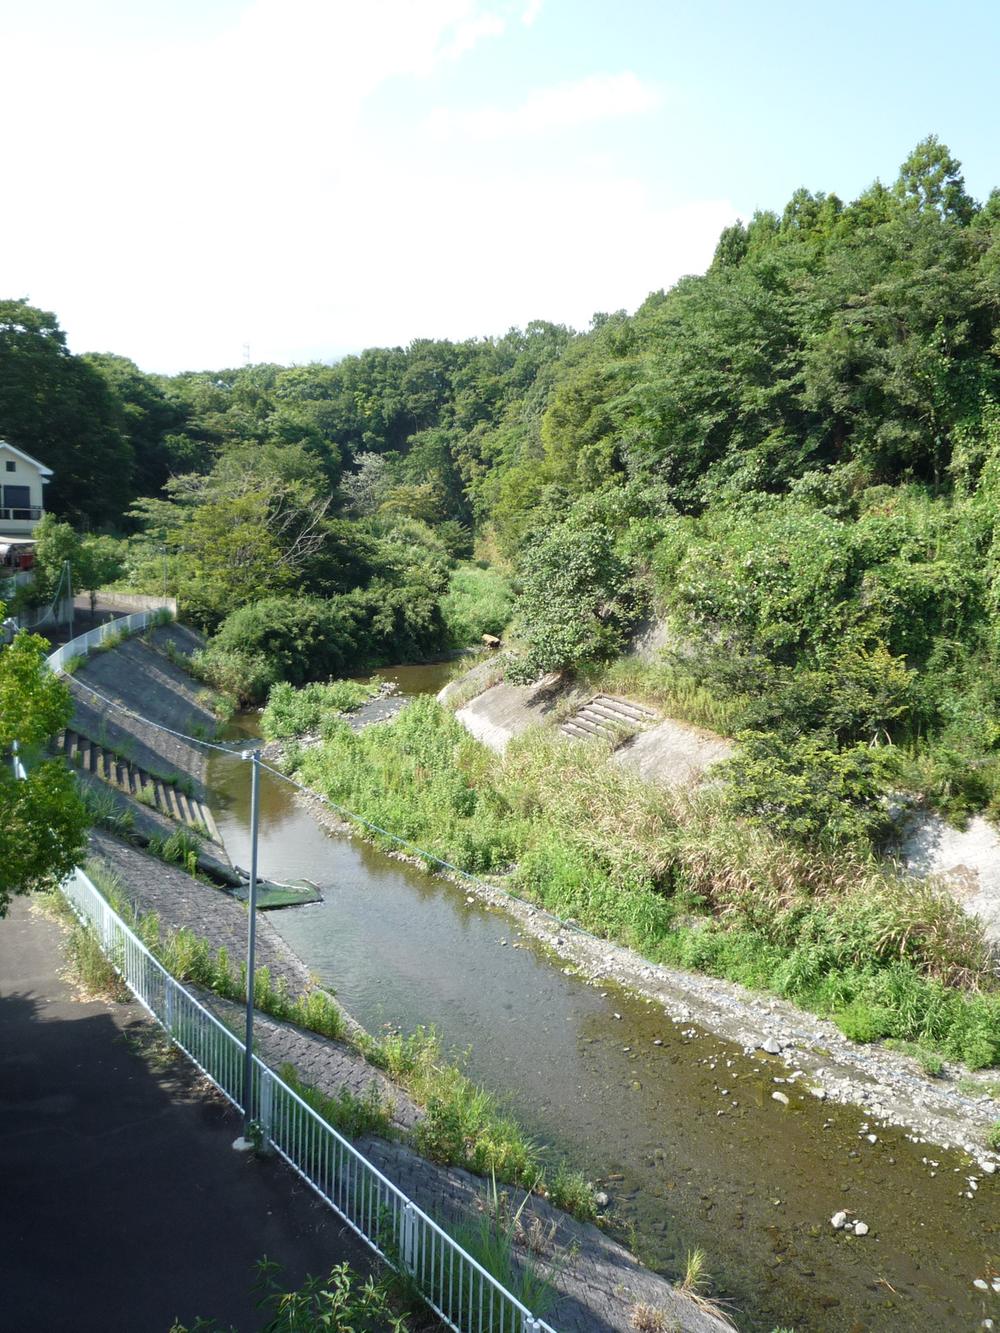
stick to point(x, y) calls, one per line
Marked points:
point(677, 1127)
point(958, 1107)
point(888, 1085)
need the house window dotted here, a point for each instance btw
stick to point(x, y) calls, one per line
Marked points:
point(11, 467)
point(17, 502)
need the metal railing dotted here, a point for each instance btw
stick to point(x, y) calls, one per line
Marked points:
point(21, 513)
point(454, 1284)
point(121, 628)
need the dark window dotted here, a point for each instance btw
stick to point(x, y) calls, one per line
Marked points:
point(11, 467)
point(17, 500)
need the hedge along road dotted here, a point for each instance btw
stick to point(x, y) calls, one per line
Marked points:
point(679, 1128)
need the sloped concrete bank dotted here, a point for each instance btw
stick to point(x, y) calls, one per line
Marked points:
point(888, 1085)
point(149, 692)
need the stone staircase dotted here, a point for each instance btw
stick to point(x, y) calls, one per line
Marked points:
point(608, 719)
point(93, 758)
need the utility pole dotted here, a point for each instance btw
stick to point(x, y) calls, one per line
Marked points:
point(245, 1143)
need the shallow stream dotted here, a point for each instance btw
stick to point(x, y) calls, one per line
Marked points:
point(678, 1127)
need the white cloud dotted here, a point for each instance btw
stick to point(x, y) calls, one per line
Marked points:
point(531, 12)
point(175, 201)
point(566, 106)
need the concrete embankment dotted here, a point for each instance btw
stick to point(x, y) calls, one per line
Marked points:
point(658, 750)
point(151, 698)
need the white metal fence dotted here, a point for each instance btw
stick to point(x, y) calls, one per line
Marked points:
point(120, 628)
point(458, 1288)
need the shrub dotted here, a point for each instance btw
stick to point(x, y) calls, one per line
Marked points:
point(478, 602)
point(578, 599)
point(808, 790)
point(290, 712)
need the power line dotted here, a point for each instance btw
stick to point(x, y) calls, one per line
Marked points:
point(157, 726)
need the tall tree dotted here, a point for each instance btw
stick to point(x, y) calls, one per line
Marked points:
point(58, 408)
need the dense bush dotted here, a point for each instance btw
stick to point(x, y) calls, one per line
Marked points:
point(478, 602)
point(300, 639)
point(291, 712)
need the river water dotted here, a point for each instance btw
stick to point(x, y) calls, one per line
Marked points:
point(677, 1126)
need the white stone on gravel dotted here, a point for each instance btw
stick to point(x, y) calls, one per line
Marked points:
point(861, 1228)
point(838, 1220)
point(779, 1097)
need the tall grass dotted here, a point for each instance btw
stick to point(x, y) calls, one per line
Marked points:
point(478, 601)
point(677, 877)
point(669, 690)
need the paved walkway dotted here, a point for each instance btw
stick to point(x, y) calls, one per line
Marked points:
point(123, 1204)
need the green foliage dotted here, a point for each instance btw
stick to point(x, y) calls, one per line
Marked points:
point(497, 1238)
point(808, 791)
point(42, 820)
point(578, 599)
point(107, 811)
point(353, 1116)
point(343, 1302)
point(293, 712)
point(682, 879)
point(478, 602)
point(297, 639)
point(57, 408)
point(92, 969)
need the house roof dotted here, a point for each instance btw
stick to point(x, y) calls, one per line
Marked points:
point(27, 458)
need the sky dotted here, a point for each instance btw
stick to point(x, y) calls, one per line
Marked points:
point(198, 183)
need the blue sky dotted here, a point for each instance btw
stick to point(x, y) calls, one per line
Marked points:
point(307, 177)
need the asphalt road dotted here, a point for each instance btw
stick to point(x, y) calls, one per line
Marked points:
point(122, 1203)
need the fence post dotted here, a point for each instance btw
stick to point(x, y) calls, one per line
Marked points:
point(408, 1238)
point(168, 1006)
point(266, 1097)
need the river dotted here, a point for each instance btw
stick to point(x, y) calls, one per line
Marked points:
point(677, 1126)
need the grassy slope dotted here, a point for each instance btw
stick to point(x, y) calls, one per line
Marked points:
point(674, 877)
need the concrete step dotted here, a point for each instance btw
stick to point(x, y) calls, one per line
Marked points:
point(208, 819)
point(607, 718)
point(173, 806)
point(624, 708)
point(610, 717)
point(584, 724)
point(128, 777)
point(576, 733)
point(612, 725)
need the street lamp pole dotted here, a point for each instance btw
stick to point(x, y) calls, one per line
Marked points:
point(245, 1143)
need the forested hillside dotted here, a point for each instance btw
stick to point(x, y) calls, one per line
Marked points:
point(794, 459)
